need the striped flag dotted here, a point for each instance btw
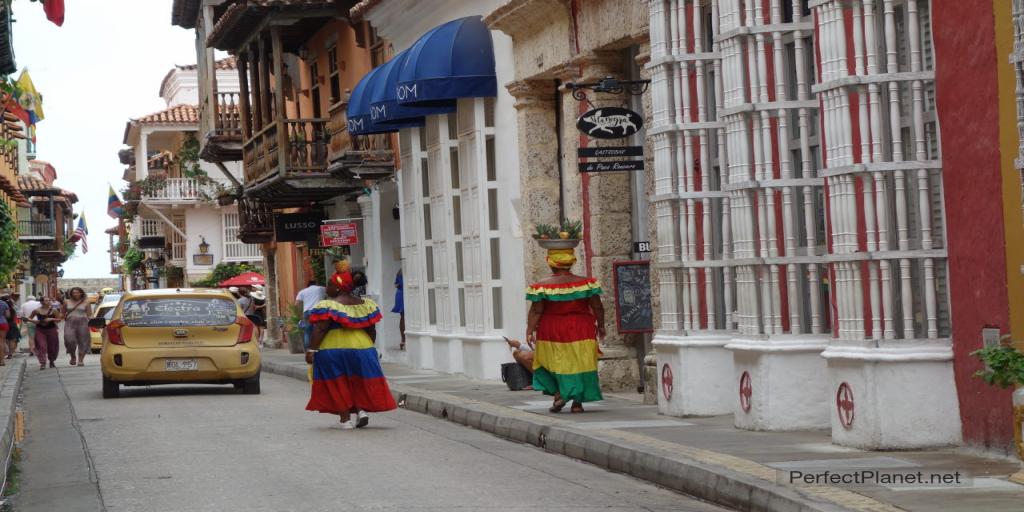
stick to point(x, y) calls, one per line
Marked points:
point(81, 233)
point(115, 208)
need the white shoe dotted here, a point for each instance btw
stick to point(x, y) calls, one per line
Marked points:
point(345, 425)
point(362, 419)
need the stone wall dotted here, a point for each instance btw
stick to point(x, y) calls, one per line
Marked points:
point(554, 45)
point(90, 285)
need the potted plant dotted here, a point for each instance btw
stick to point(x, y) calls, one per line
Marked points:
point(565, 236)
point(293, 329)
point(1004, 367)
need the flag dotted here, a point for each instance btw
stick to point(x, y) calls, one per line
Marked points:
point(29, 98)
point(54, 10)
point(81, 233)
point(115, 208)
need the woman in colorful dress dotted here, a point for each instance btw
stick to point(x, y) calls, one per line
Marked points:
point(347, 376)
point(565, 321)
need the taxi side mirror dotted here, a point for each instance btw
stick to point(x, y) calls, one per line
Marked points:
point(98, 323)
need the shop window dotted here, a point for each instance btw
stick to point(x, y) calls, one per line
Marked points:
point(432, 306)
point(460, 274)
point(492, 208)
point(457, 214)
point(453, 126)
point(492, 168)
point(489, 112)
point(453, 155)
point(429, 257)
point(497, 308)
point(462, 307)
point(495, 258)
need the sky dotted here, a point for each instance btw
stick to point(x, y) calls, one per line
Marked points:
point(102, 68)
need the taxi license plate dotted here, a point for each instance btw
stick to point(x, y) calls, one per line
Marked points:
point(181, 365)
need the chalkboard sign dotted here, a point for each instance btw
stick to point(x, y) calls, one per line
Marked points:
point(633, 312)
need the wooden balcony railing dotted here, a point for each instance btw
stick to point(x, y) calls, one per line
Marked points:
point(255, 221)
point(304, 152)
point(36, 229)
point(260, 155)
point(149, 228)
point(374, 146)
point(307, 145)
point(228, 121)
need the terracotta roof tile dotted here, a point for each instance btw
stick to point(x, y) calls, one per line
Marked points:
point(33, 184)
point(363, 7)
point(12, 190)
point(179, 114)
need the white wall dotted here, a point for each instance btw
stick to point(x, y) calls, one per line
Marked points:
point(203, 222)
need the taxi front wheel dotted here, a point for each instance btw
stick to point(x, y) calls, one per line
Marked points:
point(111, 389)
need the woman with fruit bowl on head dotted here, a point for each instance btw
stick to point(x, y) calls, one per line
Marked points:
point(565, 321)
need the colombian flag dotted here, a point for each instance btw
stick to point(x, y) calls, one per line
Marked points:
point(115, 208)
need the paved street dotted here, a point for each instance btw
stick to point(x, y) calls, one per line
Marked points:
point(207, 448)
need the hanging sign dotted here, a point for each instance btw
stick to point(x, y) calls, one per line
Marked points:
point(613, 151)
point(336, 235)
point(610, 123)
point(611, 166)
point(297, 227)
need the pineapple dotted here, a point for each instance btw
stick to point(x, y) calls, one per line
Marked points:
point(341, 265)
point(564, 235)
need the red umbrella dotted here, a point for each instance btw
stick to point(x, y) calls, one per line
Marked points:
point(246, 279)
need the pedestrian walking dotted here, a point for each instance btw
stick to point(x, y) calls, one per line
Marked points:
point(7, 323)
point(400, 306)
point(13, 336)
point(565, 321)
point(306, 299)
point(30, 305)
point(47, 338)
point(76, 311)
point(347, 376)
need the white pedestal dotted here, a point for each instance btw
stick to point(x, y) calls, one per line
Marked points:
point(698, 380)
point(893, 398)
point(482, 357)
point(421, 351)
point(780, 383)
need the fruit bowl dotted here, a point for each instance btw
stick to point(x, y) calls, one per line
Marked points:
point(557, 243)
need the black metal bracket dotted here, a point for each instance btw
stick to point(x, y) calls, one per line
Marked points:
point(608, 85)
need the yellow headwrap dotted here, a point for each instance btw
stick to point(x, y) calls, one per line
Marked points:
point(561, 259)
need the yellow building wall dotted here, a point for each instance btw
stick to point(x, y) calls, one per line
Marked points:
point(1013, 215)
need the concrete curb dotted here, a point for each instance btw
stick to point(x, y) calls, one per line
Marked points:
point(9, 392)
point(622, 452)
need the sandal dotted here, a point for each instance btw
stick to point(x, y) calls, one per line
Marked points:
point(576, 407)
point(558, 405)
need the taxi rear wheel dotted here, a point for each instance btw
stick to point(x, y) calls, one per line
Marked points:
point(111, 389)
point(249, 386)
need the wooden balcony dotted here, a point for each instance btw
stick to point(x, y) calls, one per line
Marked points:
point(222, 123)
point(286, 164)
point(360, 157)
point(36, 231)
point(255, 221)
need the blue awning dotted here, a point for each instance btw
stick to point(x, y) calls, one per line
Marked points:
point(357, 114)
point(386, 112)
point(451, 61)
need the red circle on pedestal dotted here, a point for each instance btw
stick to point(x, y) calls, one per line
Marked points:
point(746, 391)
point(845, 405)
point(666, 381)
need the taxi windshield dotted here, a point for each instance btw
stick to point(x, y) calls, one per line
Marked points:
point(178, 312)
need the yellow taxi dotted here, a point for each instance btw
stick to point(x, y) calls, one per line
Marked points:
point(106, 308)
point(178, 336)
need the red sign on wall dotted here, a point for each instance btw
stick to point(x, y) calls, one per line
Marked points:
point(336, 235)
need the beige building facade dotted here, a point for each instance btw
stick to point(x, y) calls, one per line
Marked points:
point(556, 43)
